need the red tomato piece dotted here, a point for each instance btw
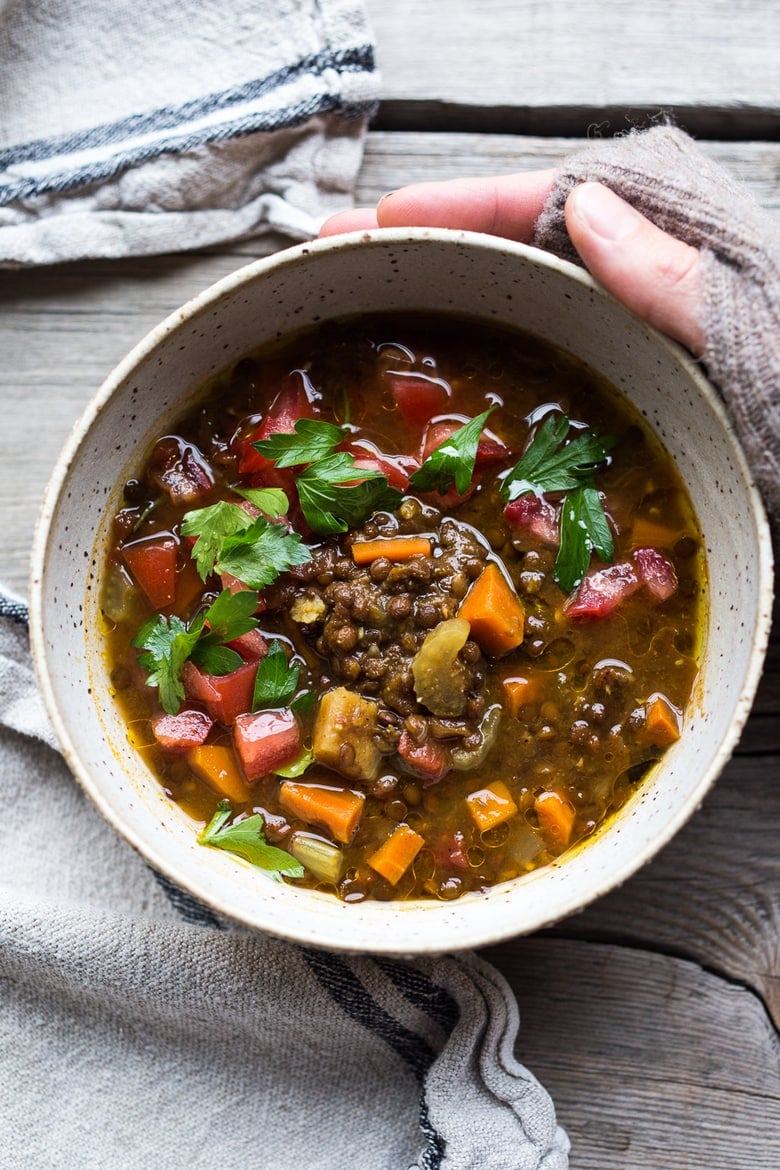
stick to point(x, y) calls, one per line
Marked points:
point(449, 852)
point(418, 396)
point(294, 401)
point(266, 740)
point(226, 696)
point(490, 448)
point(430, 761)
point(152, 562)
point(656, 572)
point(536, 516)
point(395, 468)
point(179, 733)
point(252, 646)
point(602, 591)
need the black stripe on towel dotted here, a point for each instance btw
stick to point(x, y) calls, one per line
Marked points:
point(359, 59)
point(16, 611)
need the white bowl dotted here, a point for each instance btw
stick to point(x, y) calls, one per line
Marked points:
point(421, 269)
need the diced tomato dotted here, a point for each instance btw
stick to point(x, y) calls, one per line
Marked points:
point(449, 852)
point(490, 448)
point(266, 740)
point(180, 469)
point(152, 562)
point(536, 516)
point(656, 572)
point(293, 402)
point(430, 761)
point(226, 696)
point(252, 646)
point(418, 396)
point(602, 591)
point(179, 733)
point(396, 468)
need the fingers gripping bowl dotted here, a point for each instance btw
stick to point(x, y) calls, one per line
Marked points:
point(419, 272)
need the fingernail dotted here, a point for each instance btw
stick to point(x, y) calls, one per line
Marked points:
point(386, 195)
point(605, 213)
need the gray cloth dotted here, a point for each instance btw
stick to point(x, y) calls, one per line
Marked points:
point(662, 173)
point(128, 128)
point(142, 1030)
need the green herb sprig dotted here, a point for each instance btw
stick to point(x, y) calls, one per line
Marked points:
point(246, 838)
point(334, 493)
point(229, 540)
point(553, 462)
point(453, 460)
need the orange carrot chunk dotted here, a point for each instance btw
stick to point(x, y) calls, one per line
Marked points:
point(493, 610)
point(395, 548)
point(392, 859)
point(663, 721)
point(518, 691)
point(491, 806)
point(556, 818)
point(216, 763)
point(336, 809)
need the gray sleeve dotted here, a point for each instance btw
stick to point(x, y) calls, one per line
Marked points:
point(663, 174)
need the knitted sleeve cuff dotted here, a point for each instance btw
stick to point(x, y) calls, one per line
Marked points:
point(663, 174)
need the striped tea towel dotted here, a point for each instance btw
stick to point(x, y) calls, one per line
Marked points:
point(128, 127)
point(142, 1030)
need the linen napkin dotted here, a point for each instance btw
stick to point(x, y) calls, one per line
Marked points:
point(128, 127)
point(141, 1029)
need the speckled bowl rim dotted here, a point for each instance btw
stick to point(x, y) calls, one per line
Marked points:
point(466, 934)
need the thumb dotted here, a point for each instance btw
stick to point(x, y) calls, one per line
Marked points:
point(651, 272)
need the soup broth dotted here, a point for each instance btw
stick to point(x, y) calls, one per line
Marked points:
point(404, 607)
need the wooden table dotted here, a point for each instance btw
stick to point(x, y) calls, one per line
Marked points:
point(652, 1017)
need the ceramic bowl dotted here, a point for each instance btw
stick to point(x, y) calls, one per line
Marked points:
point(421, 269)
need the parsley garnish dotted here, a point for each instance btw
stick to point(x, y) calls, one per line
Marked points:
point(276, 681)
point(168, 643)
point(313, 439)
point(246, 838)
point(332, 500)
point(453, 460)
point(553, 463)
point(334, 493)
point(272, 501)
point(229, 540)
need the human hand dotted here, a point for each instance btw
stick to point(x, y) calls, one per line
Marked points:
point(651, 272)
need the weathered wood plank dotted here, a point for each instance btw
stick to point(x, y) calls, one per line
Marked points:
point(651, 1061)
point(536, 67)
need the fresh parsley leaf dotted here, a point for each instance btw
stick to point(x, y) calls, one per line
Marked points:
point(212, 526)
point(258, 554)
point(332, 501)
point(297, 767)
point(167, 644)
point(584, 530)
point(276, 681)
point(452, 461)
point(313, 440)
point(550, 464)
point(554, 463)
point(302, 702)
point(246, 838)
point(272, 501)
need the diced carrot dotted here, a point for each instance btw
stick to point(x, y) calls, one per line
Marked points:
point(663, 721)
point(395, 548)
point(217, 765)
point(393, 858)
point(518, 691)
point(337, 809)
point(491, 806)
point(494, 612)
point(556, 818)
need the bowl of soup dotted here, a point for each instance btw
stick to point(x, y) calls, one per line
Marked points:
point(401, 593)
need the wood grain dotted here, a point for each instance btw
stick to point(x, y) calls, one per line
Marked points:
point(651, 1061)
point(539, 67)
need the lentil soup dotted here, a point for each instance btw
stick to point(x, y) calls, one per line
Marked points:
point(404, 607)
